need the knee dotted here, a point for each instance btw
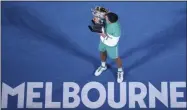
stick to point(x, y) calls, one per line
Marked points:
point(118, 59)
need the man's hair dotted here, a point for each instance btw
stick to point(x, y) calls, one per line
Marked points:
point(112, 17)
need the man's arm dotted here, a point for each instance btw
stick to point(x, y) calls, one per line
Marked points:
point(110, 40)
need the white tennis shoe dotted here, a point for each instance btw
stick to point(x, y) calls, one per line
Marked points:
point(120, 76)
point(100, 70)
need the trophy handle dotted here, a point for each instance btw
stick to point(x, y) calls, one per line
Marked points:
point(92, 9)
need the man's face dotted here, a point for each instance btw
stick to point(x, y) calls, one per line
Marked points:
point(106, 17)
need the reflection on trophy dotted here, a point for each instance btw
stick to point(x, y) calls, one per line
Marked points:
point(98, 19)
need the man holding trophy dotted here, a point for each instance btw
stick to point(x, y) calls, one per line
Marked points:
point(106, 24)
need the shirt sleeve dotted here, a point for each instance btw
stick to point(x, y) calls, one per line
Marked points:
point(115, 31)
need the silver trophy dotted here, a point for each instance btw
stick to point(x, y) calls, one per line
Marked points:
point(99, 16)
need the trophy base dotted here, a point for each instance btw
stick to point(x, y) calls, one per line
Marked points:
point(95, 29)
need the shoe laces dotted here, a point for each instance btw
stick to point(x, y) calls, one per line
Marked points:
point(100, 68)
point(119, 74)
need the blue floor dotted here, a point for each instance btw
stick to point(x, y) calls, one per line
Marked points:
point(50, 42)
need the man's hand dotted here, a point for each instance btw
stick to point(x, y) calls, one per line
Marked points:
point(102, 34)
point(96, 20)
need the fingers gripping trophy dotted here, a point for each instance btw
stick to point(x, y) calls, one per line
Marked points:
point(98, 19)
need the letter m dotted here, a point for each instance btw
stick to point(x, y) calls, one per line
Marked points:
point(7, 90)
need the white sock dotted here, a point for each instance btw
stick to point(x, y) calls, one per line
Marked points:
point(103, 64)
point(120, 69)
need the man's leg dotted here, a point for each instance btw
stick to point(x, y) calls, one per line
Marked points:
point(120, 70)
point(119, 62)
point(113, 53)
point(103, 56)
